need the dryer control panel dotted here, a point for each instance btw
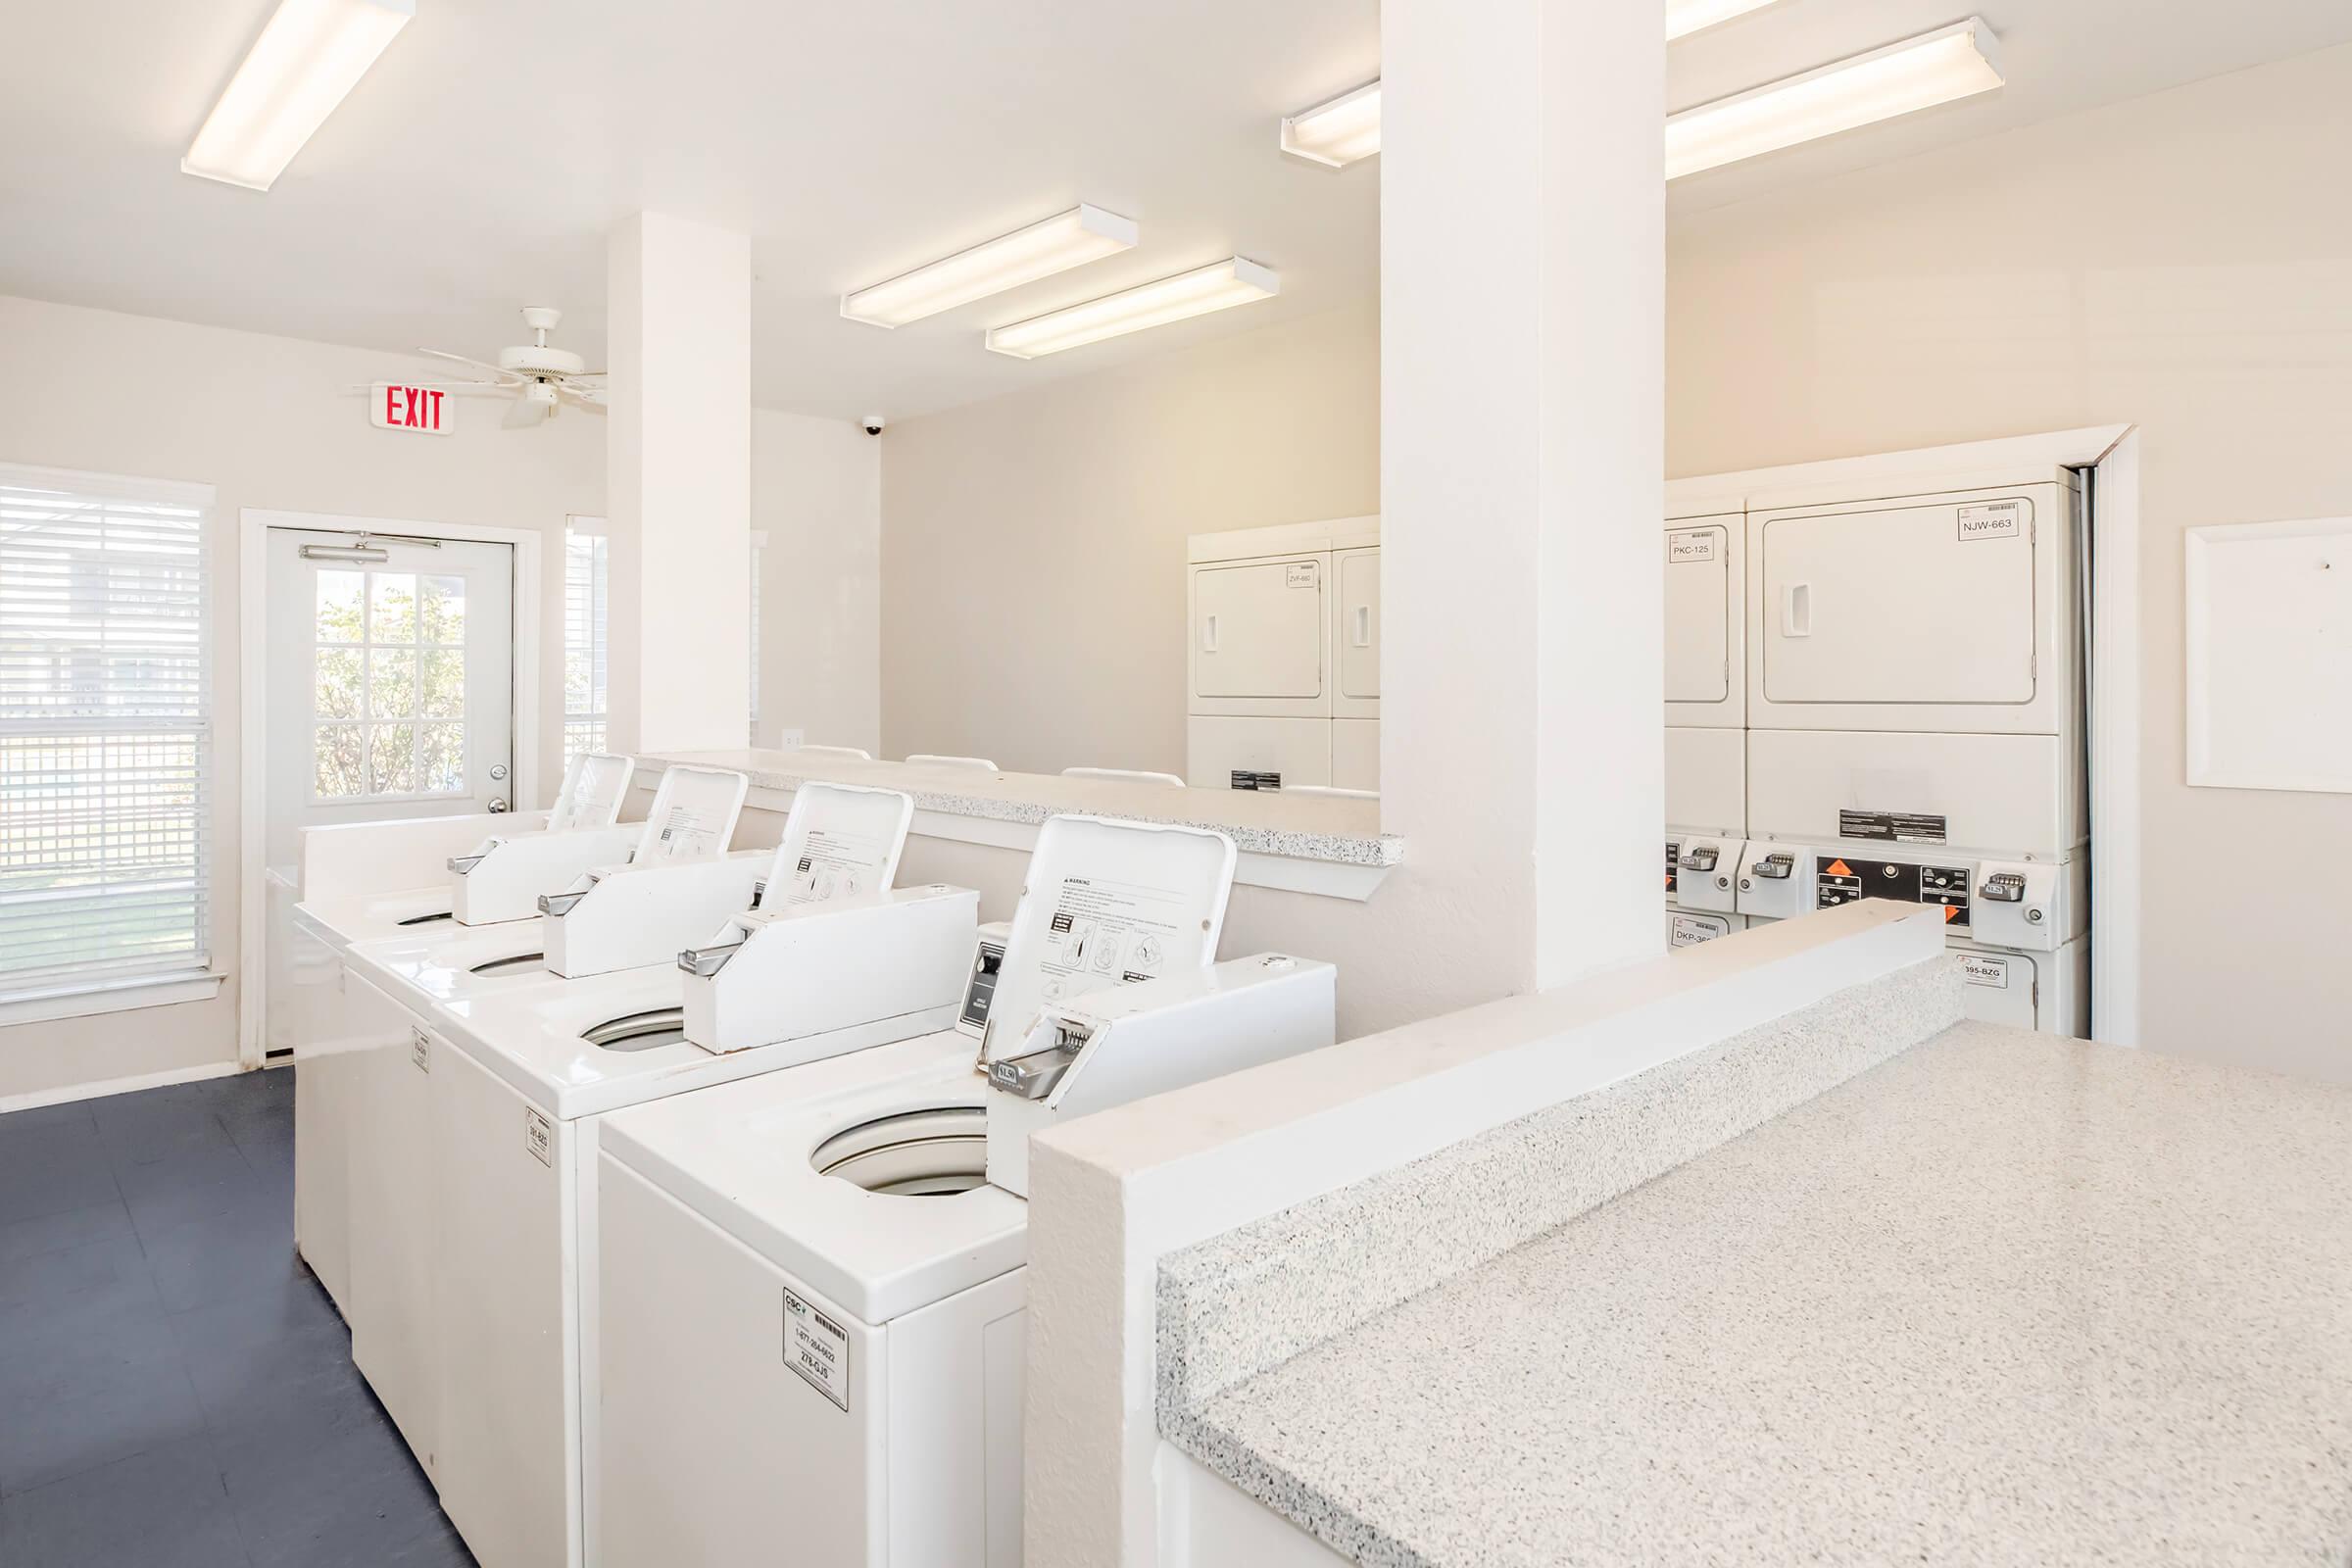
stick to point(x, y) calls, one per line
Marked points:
point(1848, 880)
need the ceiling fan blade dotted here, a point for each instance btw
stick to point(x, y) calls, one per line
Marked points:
point(505, 376)
point(522, 414)
point(592, 397)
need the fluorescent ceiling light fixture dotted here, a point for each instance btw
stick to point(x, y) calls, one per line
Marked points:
point(1219, 286)
point(1686, 17)
point(1338, 132)
point(1065, 240)
point(310, 56)
point(1935, 67)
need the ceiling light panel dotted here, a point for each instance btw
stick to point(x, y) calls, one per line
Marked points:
point(1686, 17)
point(308, 58)
point(1935, 67)
point(1215, 287)
point(1056, 245)
point(1338, 132)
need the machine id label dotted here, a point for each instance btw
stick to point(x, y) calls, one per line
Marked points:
point(1993, 520)
point(1979, 970)
point(1299, 574)
point(420, 1051)
point(1690, 930)
point(817, 1348)
point(539, 1136)
point(1892, 827)
point(1691, 547)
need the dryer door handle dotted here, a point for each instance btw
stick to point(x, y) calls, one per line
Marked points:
point(1797, 610)
point(1208, 634)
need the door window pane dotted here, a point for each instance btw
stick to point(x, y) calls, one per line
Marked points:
point(391, 759)
point(441, 683)
point(335, 683)
point(339, 605)
point(441, 758)
point(391, 683)
point(441, 605)
point(336, 755)
point(392, 607)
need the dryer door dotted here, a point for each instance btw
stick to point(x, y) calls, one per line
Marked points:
point(1257, 630)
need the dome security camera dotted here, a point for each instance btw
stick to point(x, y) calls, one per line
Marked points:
point(872, 423)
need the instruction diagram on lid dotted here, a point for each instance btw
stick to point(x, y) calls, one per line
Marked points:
point(1992, 519)
point(686, 834)
point(835, 864)
point(1111, 933)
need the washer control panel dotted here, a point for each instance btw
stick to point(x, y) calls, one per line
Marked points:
point(1848, 880)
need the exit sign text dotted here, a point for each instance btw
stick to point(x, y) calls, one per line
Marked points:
point(391, 407)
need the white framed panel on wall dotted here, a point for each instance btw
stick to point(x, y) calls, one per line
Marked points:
point(2269, 616)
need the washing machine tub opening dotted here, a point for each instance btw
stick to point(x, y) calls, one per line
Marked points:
point(934, 1152)
point(640, 1031)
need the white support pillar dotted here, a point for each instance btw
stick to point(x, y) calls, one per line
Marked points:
point(1522, 463)
point(678, 484)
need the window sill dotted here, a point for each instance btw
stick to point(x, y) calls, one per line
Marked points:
point(113, 996)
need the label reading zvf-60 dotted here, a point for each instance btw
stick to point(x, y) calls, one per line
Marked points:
point(1299, 574)
point(817, 1348)
point(420, 1051)
point(539, 1136)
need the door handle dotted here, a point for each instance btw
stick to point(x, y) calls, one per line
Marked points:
point(1797, 610)
point(498, 802)
point(1208, 634)
point(1363, 625)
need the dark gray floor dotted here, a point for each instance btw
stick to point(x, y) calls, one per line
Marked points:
point(175, 1390)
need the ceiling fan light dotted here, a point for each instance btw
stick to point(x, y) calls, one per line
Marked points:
point(308, 57)
point(1934, 67)
point(1219, 286)
point(1337, 133)
point(1052, 245)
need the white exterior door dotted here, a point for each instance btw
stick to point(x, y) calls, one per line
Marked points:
point(391, 683)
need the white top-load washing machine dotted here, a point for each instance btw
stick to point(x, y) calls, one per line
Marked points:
point(514, 1086)
point(811, 1343)
point(363, 882)
point(1706, 718)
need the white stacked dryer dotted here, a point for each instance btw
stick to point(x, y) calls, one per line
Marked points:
point(1706, 717)
point(1284, 667)
point(1915, 703)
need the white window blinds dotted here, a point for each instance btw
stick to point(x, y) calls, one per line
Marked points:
point(105, 730)
point(584, 566)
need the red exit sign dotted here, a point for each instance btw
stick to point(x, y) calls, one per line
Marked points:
point(391, 407)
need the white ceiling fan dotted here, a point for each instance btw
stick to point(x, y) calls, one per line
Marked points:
point(539, 378)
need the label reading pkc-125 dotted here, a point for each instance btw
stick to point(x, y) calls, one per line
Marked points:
point(817, 1348)
point(1689, 546)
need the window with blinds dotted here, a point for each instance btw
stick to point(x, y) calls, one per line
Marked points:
point(104, 731)
point(585, 570)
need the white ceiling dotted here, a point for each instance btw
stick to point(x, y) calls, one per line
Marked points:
point(478, 166)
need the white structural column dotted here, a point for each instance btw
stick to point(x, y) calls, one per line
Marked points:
point(1522, 462)
point(678, 484)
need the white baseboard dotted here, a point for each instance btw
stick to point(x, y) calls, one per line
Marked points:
point(116, 1086)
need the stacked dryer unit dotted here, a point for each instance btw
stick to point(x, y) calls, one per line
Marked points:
point(1284, 669)
point(1916, 720)
point(1706, 718)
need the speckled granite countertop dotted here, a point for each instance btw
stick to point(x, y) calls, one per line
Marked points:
point(1303, 827)
point(2002, 1300)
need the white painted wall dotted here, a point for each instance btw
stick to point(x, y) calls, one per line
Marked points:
point(2181, 262)
point(816, 494)
point(1081, 493)
point(263, 420)
point(267, 423)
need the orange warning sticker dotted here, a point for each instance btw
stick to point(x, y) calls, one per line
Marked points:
point(1838, 868)
point(1951, 912)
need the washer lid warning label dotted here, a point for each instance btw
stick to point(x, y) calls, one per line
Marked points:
point(1689, 546)
point(1992, 519)
point(1979, 970)
point(817, 1348)
point(1892, 827)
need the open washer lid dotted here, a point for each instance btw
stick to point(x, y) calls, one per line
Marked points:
point(840, 840)
point(693, 815)
point(594, 786)
point(1107, 903)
